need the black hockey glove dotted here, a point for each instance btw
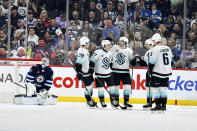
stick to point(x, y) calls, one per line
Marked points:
point(140, 61)
point(79, 76)
point(91, 70)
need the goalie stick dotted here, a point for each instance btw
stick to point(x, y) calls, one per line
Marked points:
point(83, 84)
point(122, 107)
point(25, 87)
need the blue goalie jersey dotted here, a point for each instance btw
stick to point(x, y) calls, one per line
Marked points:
point(41, 78)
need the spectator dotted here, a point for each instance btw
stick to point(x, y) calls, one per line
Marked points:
point(194, 28)
point(111, 10)
point(22, 8)
point(61, 21)
point(131, 31)
point(86, 31)
point(32, 22)
point(20, 53)
point(177, 29)
point(102, 23)
point(40, 28)
point(75, 18)
point(138, 13)
point(54, 59)
point(73, 31)
point(92, 7)
point(4, 8)
point(49, 40)
point(15, 16)
point(169, 23)
point(188, 54)
point(76, 7)
point(32, 36)
point(41, 50)
point(146, 32)
point(52, 28)
point(164, 30)
point(19, 40)
point(92, 19)
point(175, 51)
point(119, 21)
point(155, 17)
point(138, 50)
point(110, 28)
point(193, 64)
point(3, 53)
point(3, 37)
point(44, 18)
point(193, 39)
point(2, 18)
point(72, 52)
point(194, 20)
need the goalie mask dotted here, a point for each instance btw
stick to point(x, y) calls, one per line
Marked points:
point(84, 41)
point(125, 40)
point(44, 62)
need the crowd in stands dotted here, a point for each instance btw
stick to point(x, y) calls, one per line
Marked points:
point(46, 22)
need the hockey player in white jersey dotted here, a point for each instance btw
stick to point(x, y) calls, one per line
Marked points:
point(122, 56)
point(148, 45)
point(82, 68)
point(160, 70)
point(100, 62)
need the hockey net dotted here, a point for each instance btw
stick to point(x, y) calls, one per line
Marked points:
point(13, 70)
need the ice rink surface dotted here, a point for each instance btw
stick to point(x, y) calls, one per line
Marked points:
point(78, 117)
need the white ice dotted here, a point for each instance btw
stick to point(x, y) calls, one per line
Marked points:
point(78, 117)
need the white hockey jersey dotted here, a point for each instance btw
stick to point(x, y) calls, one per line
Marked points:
point(161, 58)
point(121, 59)
point(147, 56)
point(83, 59)
point(102, 60)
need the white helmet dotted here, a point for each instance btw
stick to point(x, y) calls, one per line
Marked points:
point(84, 40)
point(156, 38)
point(105, 42)
point(44, 62)
point(125, 39)
point(149, 42)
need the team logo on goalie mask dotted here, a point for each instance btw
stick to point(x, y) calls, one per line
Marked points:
point(40, 78)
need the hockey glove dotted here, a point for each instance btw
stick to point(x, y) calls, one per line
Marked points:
point(91, 71)
point(140, 61)
point(79, 76)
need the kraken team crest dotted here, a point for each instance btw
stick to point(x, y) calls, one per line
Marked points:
point(120, 58)
point(106, 63)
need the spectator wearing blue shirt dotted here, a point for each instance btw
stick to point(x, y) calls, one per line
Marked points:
point(110, 28)
point(138, 9)
point(155, 17)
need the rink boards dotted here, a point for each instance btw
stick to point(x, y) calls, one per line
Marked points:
point(182, 89)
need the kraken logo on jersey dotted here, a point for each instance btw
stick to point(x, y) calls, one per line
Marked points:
point(40, 79)
point(106, 63)
point(120, 58)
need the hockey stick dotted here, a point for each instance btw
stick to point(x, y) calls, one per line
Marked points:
point(122, 107)
point(83, 84)
point(25, 87)
point(150, 100)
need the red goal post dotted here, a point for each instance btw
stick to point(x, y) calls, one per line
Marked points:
point(13, 70)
